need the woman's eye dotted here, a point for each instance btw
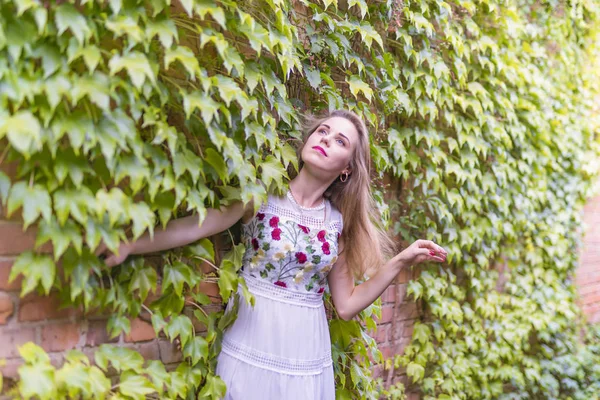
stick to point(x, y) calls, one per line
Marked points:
point(340, 141)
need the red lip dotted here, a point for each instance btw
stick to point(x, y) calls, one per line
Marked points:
point(320, 149)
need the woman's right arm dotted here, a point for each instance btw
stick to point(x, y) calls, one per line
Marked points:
point(180, 231)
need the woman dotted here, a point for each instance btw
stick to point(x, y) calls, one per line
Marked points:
point(319, 232)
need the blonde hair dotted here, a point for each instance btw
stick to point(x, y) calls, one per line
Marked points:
point(366, 244)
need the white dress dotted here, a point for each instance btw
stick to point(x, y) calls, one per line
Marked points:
point(280, 348)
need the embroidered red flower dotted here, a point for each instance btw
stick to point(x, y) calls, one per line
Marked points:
point(325, 248)
point(282, 284)
point(255, 244)
point(304, 228)
point(273, 222)
point(321, 290)
point(321, 236)
point(301, 257)
point(276, 234)
point(260, 216)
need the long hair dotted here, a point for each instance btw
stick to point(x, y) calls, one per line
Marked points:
point(366, 244)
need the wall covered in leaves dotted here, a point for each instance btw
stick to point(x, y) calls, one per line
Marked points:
point(123, 114)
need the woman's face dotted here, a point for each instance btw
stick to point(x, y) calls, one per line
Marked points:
point(331, 146)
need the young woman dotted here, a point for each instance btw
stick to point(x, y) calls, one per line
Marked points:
point(321, 232)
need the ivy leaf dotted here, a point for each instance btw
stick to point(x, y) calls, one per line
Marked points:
point(164, 28)
point(313, 75)
point(67, 17)
point(135, 386)
point(98, 382)
point(121, 358)
point(180, 326)
point(228, 89)
point(415, 371)
point(37, 269)
point(37, 380)
point(176, 275)
point(196, 349)
point(415, 289)
point(357, 86)
point(207, 106)
point(204, 248)
point(228, 280)
point(144, 279)
point(35, 202)
point(272, 171)
point(214, 388)
point(186, 57)
point(158, 374)
point(421, 332)
point(216, 161)
point(137, 65)
point(361, 4)
point(75, 203)
point(61, 237)
point(24, 132)
point(143, 219)
point(117, 324)
point(4, 187)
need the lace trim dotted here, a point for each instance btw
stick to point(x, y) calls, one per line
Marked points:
point(267, 289)
point(275, 363)
point(306, 220)
point(290, 196)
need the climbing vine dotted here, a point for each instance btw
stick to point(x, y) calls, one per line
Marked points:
point(123, 114)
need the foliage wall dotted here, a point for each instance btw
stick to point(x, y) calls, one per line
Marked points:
point(123, 114)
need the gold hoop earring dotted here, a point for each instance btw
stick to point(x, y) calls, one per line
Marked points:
point(344, 179)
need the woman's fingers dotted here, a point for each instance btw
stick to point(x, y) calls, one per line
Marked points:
point(431, 245)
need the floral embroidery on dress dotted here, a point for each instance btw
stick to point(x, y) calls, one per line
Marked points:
point(289, 254)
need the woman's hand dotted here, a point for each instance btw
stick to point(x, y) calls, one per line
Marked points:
point(110, 258)
point(421, 251)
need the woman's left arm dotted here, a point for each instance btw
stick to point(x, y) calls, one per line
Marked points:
point(350, 299)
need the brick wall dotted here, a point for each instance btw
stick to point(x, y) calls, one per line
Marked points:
point(588, 272)
point(42, 320)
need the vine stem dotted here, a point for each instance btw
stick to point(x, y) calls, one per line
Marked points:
point(198, 307)
point(4, 153)
point(208, 262)
point(147, 309)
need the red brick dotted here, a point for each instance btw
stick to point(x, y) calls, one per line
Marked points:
point(211, 290)
point(37, 308)
point(169, 352)
point(13, 338)
point(149, 350)
point(6, 307)
point(389, 295)
point(14, 241)
point(10, 370)
point(382, 333)
point(407, 332)
point(141, 331)
point(386, 350)
point(407, 311)
point(60, 337)
point(387, 312)
point(97, 334)
point(5, 267)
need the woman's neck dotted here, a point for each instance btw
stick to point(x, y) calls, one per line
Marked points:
point(307, 190)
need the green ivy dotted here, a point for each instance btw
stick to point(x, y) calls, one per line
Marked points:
point(124, 114)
